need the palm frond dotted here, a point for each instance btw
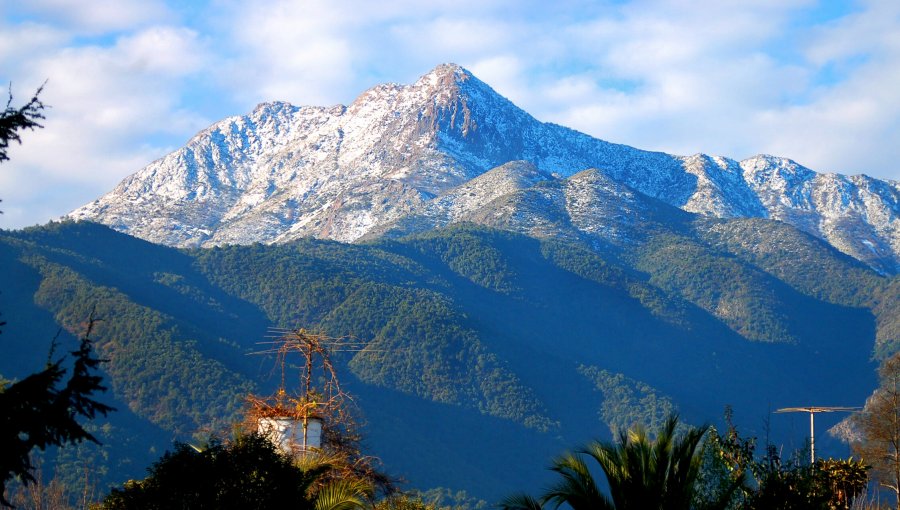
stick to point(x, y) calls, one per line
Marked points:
point(520, 502)
point(342, 495)
point(577, 487)
point(642, 472)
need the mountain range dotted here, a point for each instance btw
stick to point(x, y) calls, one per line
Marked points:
point(520, 287)
point(448, 148)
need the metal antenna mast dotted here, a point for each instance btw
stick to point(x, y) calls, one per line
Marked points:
point(315, 349)
point(812, 410)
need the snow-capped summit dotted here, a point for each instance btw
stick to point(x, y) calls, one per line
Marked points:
point(401, 152)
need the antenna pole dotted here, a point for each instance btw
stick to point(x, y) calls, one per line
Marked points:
point(309, 362)
point(307, 412)
point(812, 410)
point(812, 437)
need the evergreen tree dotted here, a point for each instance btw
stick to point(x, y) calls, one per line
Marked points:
point(40, 411)
point(13, 120)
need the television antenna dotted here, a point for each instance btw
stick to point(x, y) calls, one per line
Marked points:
point(313, 407)
point(812, 410)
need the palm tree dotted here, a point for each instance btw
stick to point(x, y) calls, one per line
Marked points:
point(334, 486)
point(641, 473)
point(342, 495)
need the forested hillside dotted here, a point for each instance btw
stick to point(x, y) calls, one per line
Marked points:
point(488, 351)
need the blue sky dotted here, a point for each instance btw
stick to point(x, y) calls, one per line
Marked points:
point(131, 80)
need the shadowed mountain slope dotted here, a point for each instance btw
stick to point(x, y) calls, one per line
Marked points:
point(489, 350)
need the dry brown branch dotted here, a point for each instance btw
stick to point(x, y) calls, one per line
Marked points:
point(318, 395)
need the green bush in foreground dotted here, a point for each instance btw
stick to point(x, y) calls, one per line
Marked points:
point(246, 473)
point(683, 472)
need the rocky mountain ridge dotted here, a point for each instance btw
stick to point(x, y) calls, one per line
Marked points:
point(405, 158)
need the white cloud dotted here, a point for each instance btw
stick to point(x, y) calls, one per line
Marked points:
point(107, 104)
point(459, 36)
point(162, 50)
point(851, 125)
point(323, 52)
point(129, 88)
point(20, 41)
point(506, 74)
point(294, 51)
point(98, 16)
point(872, 30)
point(658, 75)
point(722, 78)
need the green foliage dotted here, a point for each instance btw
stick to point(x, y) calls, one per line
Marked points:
point(341, 494)
point(742, 297)
point(472, 252)
point(37, 412)
point(769, 482)
point(675, 471)
point(247, 472)
point(813, 268)
point(419, 343)
point(845, 479)
point(627, 402)
point(159, 373)
point(300, 283)
point(806, 263)
point(641, 474)
point(402, 501)
point(887, 317)
point(423, 349)
point(591, 266)
point(13, 120)
point(438, 498)
point(442, 498)
point(827, 484)
point(447, 336)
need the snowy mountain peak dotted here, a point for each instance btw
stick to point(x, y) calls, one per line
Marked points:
point(449, 148)
point(444, 76)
